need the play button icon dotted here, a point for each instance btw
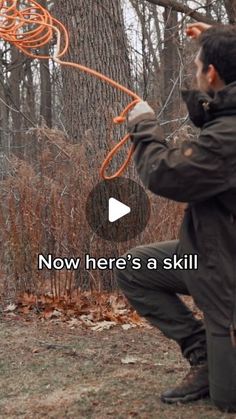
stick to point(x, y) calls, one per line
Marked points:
point(118, 210)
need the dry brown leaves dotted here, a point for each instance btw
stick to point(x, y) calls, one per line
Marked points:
point(96, 310)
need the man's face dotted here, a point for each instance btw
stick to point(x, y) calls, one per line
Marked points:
point(202, 78)
point(207, 80)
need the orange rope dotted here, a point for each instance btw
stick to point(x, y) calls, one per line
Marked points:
point(28, 26)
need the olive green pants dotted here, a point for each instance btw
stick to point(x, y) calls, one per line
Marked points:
point(154, 295)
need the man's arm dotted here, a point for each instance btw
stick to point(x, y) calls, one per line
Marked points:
point(192, 171)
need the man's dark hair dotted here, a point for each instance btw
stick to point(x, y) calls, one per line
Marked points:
point(218, 48)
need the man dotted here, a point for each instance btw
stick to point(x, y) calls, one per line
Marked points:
point(201, 172)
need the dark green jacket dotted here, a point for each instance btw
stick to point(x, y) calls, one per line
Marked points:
point(201, 172)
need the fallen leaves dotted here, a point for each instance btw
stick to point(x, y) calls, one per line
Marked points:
point(35, 351)
point(129, 359)
point(105, 325)
point(52, 314)
point(11, 307)
point(128, 326)
point(95, 310)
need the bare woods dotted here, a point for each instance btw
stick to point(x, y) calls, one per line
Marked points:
point(55, 129)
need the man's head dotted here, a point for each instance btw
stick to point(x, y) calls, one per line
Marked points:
point(216, 59)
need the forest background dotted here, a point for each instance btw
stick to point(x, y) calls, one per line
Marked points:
point(55, 130)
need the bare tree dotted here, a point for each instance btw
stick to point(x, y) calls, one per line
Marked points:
point(170, 64)
point(46, 86)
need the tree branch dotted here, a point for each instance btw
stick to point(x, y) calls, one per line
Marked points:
point(178, 7)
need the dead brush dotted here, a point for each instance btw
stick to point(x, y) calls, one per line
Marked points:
point(43, 212)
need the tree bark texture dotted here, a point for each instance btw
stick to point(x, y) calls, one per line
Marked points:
point(4, 124)
point(230, 6)
point(15, 100)
point(170, 66)
point(97, 40)
point(46, 85)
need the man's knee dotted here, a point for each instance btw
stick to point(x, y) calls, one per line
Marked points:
point(125, 276)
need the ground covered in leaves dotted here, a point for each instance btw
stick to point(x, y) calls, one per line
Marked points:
point(63, 369)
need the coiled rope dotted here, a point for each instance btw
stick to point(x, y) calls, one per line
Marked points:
point(29, 26)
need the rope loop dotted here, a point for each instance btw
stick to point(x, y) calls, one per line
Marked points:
point(119, 120)
point(30, 27)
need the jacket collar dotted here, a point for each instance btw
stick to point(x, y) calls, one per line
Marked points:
point(203, 107)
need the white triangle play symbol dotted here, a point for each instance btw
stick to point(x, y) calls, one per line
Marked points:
point(117, 210)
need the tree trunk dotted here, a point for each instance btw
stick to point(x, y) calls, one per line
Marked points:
point(4, 123)
point(45, 84)
point(15, 98)
point(170, 67)
point(150, 86)
point(97, 40)
point(230, 6)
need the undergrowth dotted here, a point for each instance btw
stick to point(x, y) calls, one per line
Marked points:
point(42, 211)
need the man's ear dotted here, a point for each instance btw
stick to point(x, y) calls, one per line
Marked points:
point(212, 74)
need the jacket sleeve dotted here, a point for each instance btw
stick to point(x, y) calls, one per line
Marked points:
point(192, 171)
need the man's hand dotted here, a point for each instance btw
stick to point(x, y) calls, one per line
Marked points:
point(194, 30)
point(138, 110)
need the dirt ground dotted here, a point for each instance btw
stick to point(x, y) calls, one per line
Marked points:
point(49, 370)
